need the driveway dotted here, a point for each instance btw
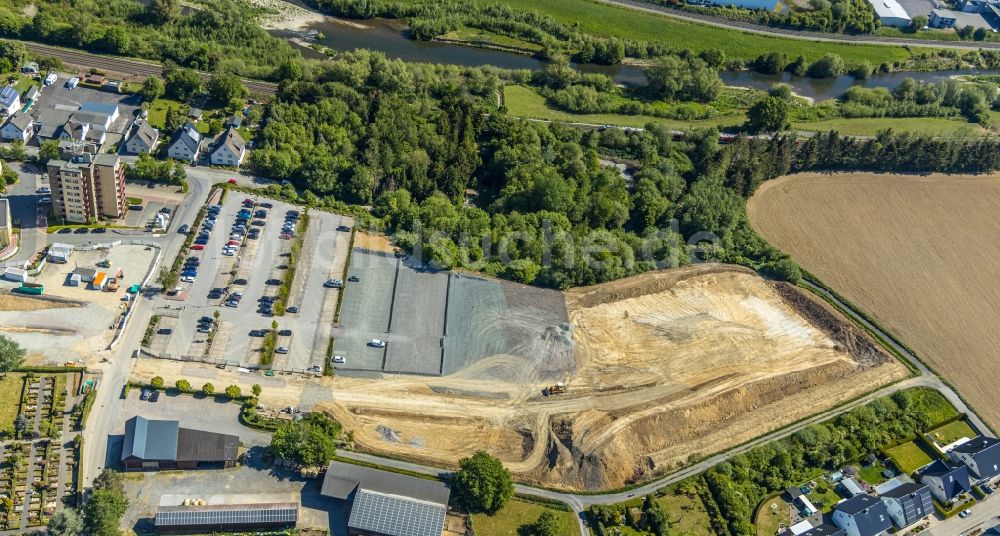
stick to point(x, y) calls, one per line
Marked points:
point(210, 414)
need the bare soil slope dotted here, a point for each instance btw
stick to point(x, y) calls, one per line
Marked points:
point(669, 365)
point(920, 253)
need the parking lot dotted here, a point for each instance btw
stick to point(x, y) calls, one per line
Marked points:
point(256, 271)
point(56, 102)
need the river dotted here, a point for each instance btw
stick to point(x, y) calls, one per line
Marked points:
point(389, 36)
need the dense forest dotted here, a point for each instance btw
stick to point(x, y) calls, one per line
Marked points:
point(445, 170)
point(212, 35)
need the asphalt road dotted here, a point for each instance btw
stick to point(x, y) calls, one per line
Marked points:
point(797, 34)
point(27, 212)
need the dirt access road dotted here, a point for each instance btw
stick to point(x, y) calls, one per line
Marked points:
point(919, 253)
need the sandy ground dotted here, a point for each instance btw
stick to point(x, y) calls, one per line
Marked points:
point(670, 365)
point(919, 253)
point(13, 302)
point(373, 242)
point(61, 334)
point(280, 15)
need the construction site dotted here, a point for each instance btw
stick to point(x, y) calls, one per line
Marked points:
point(596, 387)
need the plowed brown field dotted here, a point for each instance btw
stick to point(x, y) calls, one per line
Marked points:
point(919, 253)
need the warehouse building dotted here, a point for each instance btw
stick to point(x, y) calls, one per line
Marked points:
point(387, 504)
point(209, 518)
point(153, 445)
point(890, 13)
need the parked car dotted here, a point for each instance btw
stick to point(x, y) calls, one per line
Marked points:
point(285, 333)
point(44, 190)
point(354, 279)
point(281, 350)
point(343, 228)
point(232, 303)
point(198, 247)
point(183, 229)
point(154, 396)
point(164, 331)
point(208, 319)
point(265, 204)
point(145, 394)
point(286, 236)
point(240, 281)
point(260, 214)
point(338, 359)
point(231, 181)
point(65, 230)
point(273, 282)
point(258, 223)
point(193, 261)
point(292, 310)
point(188, 279)
point(376, 343)
point(233, 242)
point(204, 329)
point(965, 513)
point(193, 258)
point(81, 230)
point(258, 332)
point(333, 283)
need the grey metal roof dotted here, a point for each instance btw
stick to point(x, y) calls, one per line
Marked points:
point(104, 108)
point(20, 120)
point(227, 514)
point(105, 159)
point(905, 489)
point(391, 515)
point(869, 513)
point(145, 133)
point(201, 446)
point(343, 478)
point(230, 138)
point(188, 135)
point(91, 118)
point(824, 530)
point(992, 531)
point(150, 440)
point(986, 452)
point(955, 479)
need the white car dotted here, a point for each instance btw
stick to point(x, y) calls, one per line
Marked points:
point(333, 283)
point(281, 350)
point(44, 190)
point(338, 359)
point(188, 279)
point(377, 343)
point(229, 253)
point(965, 513)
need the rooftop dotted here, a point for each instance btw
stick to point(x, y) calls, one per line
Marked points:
point(227, 514)
point(343, 478)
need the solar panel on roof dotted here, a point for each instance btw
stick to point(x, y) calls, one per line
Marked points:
point(395, 516)
point(226, 516)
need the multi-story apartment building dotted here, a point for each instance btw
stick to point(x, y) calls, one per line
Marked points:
point(87, 187)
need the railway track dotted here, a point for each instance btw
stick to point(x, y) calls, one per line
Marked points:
point(138, 69)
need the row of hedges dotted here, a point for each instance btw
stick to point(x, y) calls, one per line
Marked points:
point(281, 303)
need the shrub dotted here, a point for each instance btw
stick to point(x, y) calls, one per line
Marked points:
point(233, 391)
point(208, 389)
point(157, 382)
point(183, 386)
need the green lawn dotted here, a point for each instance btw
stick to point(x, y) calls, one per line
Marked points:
point(870, 126)
point(824, 497)
point(769, 519)
point(908, 457)
point(10, 398)
point(687, 515)
point(516, 513)
point(872, 474)
point(524, 102)
point(613, 21)
point(952, 432)
point(158, 111)
point(23, 84)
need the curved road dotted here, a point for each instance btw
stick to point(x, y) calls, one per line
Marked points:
point(796, 34)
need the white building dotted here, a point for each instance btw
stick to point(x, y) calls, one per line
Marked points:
point(143, 138)
point(10, 100)
point(20, 127)
point(230, 148)
point(109, 109)
point(890, 13)
point(186, 145)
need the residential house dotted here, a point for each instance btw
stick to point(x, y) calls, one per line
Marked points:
point(851, 486)
point(229, 149)
point(10, 100)
point(942, 18)
point(387, 504)
point(186, 144)
point(908, 503)
point(151, 445)
point(29, 67)
point(946, 481)
point(19, 127)
point(823, 530)
point(890, 13)
point(194, 113)
point(86, 187)
point(862, 515)
point(234, 121)
point(95, 79)
point(143, 138)
point(981, 454)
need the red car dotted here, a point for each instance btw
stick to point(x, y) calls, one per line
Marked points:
point(285, 236)
point(234, 242)
point(198, 247)
point(231, 181)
